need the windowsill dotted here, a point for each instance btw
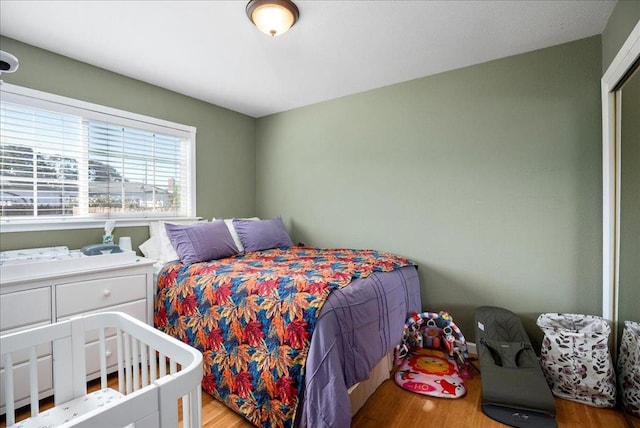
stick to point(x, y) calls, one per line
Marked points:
point(7, 226)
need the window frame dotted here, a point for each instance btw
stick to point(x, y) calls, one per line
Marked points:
point(39, 99)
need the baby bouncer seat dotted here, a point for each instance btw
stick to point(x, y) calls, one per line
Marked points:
point(514, 389)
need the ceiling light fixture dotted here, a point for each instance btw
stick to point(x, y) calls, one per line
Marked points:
point(273, 17)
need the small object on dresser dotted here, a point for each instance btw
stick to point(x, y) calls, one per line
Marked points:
point(107, 238)
point(98, 249)
point(125, 243)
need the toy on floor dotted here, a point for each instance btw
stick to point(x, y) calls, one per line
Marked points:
point(432, 358)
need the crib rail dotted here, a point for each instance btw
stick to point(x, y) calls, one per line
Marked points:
point(150, 392)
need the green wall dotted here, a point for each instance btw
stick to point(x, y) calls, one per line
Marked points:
point(623, 19)
point(225, 147)
point(489, 177)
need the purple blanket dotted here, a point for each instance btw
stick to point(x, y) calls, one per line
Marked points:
point(357, 326)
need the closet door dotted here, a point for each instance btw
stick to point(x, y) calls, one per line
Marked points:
point(621, 186)
point(629, 203)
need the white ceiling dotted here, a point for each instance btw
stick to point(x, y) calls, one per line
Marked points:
point(209, 49)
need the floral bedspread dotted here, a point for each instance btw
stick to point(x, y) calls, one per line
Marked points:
point(252, 317)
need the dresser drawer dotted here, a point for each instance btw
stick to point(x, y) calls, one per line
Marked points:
point(24, 308)
point(84, 296)
point(136, 309)
point(93, 360)
point(22, 356)
point(22, 386)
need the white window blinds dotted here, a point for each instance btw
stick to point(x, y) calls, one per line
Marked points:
point(65, 158)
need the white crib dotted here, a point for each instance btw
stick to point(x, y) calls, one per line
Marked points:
point(149, 394)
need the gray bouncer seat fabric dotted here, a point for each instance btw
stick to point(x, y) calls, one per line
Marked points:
point(514, 389)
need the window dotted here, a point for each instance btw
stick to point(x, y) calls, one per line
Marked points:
point(67, 161)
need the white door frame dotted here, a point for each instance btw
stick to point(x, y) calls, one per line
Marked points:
point(625, 58)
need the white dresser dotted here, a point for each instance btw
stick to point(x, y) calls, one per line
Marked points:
point(44, 292)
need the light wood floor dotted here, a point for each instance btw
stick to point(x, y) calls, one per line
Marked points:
point(390, 406)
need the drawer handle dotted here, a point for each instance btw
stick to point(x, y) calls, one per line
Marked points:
point(107, 354)
point(106, 292)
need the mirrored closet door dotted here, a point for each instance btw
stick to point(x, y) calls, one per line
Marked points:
point(621, 186)
point(628, 190)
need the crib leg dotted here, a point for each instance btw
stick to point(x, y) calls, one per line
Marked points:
point(8, 393)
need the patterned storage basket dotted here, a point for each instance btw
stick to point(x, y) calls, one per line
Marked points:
point(575, 358)
point(629, 367)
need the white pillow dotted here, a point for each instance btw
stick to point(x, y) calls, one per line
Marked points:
point(150, 248)
point(234, 234)
point(165, 248)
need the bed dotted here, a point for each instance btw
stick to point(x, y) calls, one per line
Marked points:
point(286, 332)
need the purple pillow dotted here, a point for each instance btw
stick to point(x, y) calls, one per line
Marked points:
point(200, 242)
point(257, 235)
